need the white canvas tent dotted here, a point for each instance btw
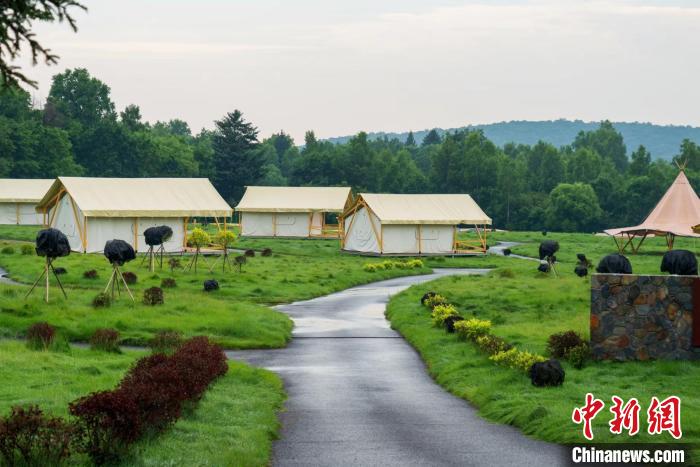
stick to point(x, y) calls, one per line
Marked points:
point(390, 224)
point(90, 211)
point(18, 200)
point(275, 211)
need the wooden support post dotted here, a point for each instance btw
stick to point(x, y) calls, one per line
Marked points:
point(420, 239)
point(184, 239)
point(274, 224)
point(17, 212)
point(136, 234)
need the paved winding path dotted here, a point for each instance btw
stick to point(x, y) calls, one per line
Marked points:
point(360, 395)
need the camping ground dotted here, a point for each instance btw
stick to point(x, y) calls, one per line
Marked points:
point(235, 420)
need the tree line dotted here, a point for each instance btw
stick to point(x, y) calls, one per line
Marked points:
point(589, 184)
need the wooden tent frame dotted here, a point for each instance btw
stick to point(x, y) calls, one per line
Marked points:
point(641, 236)
point(461, 247)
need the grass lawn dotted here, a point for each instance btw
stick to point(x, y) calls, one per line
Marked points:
point(236, 316)
point(233, 424)
point(525, 310)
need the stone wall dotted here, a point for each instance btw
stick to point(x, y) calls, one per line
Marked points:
point(641, 317)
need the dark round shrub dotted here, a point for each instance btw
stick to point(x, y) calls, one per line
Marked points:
point(250, 253)
point(153, 296)
point(166, 342)
point(174, 264)
point(91, 274)
point(106, 340)
point(506, 252)
point(60, 270)
point(27, 249)
point(426, 296)
point(266, 252)
point(559, 344)
point(450, 321)
point(168, 283)
point(549, 373)
point(40, 336)
point(129, 277)
point(210, 285)
point(101, 300)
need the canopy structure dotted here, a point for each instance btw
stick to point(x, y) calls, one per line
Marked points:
point(410, 224)
point(274, 211)
point(674, 216)
point(90, 211)
point(18, 200)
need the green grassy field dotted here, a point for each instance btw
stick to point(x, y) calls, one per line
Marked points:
point(233, 424)
point(525, 309)
point(234, 316)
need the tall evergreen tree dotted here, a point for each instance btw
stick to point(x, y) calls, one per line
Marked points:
point(433, 137)
point(410, 139)
point(237, 162)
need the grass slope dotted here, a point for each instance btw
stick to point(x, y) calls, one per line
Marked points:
point(233, 424)
point(233, 316)
point(525, 310)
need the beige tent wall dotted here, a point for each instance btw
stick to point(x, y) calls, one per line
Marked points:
point(8, 213)
point(102, 229)
point(175, 223)
point(317, 223)
point(292, 224)
point(257, 224)
point(64, 220)
point(400, 239)
point(436, 239)
point(359, 233)
point(28, 214)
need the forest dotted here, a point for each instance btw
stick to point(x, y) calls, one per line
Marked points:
point(593, 182)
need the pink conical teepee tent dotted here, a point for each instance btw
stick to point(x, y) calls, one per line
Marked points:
point(675, 215)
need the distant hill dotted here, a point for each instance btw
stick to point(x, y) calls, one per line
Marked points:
point(663, 141)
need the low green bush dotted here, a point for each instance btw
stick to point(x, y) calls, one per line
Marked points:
point(516, 359)
point(27, 249)
point(8, 250)
point(441, 312)
point(472, 328)
point(101, 300)
point(492, 344)
point(435, 300)
point(389, 264)
point(153, 296)
point(578, 355)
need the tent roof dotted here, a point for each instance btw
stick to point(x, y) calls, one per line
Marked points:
point(140, 197)
point(14, 190)
point(425, 209)
point(676, 213)
point(294, 199)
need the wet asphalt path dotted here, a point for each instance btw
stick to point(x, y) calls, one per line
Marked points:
point(360, 395)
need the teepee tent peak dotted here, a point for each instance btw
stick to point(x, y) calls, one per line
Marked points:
point(674, 216)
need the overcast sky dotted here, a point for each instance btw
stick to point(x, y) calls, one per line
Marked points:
point(341, 66)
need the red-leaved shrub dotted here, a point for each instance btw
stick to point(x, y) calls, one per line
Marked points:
point(150, 397)
point(28, 437)
point(40, 336)
point(105, 339)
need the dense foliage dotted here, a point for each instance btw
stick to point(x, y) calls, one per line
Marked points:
point(590, 183)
